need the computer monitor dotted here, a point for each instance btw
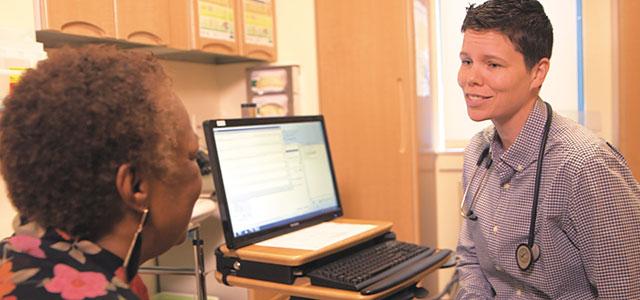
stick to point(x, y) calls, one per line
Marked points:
point(272, 176)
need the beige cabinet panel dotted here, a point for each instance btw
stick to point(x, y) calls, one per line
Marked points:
point(375, 114)
point(181, 31)
point(629, 107)
point(366, 86)
point(144, 21)
point(91, 18)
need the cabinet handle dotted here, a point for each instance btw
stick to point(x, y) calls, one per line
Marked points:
point(402, 149)
point(145, 37)
point(217, 48)
point(82, 28)
point(260, 54)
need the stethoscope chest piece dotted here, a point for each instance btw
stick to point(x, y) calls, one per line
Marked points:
point(525, 255)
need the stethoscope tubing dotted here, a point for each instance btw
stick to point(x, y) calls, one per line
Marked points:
point(470, 214)
point(536, 191)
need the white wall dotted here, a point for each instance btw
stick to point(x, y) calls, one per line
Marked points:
point(599, 67)
point(560, 88)
point(16, 15)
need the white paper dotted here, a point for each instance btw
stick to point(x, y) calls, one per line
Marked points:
point(317, 236)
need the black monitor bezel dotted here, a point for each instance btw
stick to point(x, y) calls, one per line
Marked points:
point(227, 226)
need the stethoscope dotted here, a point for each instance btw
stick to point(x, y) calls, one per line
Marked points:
point(526, 254)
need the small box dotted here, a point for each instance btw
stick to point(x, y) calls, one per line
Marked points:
point(274, 89)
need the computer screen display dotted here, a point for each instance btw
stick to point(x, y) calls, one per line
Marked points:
point(272, 175)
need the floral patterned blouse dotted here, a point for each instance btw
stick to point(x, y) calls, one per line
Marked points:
point(38, 263)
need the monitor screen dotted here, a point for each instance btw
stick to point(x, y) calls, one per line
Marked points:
point(272, 175)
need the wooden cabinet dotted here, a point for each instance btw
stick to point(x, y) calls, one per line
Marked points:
point(373, 73)
point(216, 26)
point(94, 18)
point(368, 95)
point(231, 30)
point(144, 21)
point(374, 93)
point(155, 22)
point(182, 34)
point(257, 27)
point(629, 62)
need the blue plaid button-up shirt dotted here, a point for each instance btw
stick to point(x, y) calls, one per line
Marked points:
point(588, 219)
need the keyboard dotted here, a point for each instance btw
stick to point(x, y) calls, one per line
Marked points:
point(377, 267)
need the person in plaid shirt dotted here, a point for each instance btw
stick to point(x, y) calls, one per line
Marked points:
point(586, 236)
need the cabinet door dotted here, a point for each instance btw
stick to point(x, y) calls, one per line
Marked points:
point(215, 26)
point(258, 29)
point(629, 108)
point(367, 95)
point(82, 17)
point(182, 31)
point(144, 21)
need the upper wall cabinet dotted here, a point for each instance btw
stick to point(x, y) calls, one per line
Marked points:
point(216, 29)
point(220, 31)
point(257, 23)
point(94, 18)
point(144, 21)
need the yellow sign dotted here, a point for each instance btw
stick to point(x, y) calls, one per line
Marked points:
point(14, 76)
point(216, 19)
point(258, 22)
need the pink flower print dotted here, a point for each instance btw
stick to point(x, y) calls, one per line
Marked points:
point(26, 244)
point(73, 284)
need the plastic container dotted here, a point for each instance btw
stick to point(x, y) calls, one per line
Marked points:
point(248, 110)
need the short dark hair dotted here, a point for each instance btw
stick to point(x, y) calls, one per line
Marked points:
point(523, 21)
point(67, 127)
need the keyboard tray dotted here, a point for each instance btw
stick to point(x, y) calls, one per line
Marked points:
point(373, 264)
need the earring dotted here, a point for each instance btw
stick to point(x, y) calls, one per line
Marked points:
point(132, 260)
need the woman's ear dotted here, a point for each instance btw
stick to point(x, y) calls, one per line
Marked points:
point(539, 72)
point(132, 187)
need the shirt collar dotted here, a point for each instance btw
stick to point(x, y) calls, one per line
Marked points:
point(107, 261)
point(524, 151)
